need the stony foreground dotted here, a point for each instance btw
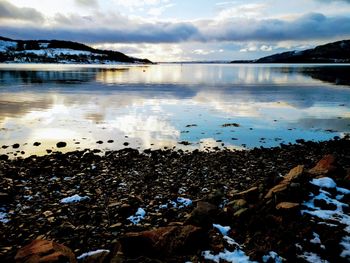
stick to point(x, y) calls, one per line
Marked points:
point(266, 205)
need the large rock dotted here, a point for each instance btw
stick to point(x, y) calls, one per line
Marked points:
point(164, 241)
point(293, 174)
point(250, 194)
point(203, 215)
point(325, 166)
point(44, 251)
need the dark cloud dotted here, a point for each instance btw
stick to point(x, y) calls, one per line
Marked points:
point(101, 28)
point(10, 11)
point(307, 27)
point(143, 33)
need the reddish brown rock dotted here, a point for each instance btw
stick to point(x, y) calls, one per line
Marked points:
point(325, 166)
point(163, 241)
point(293, 174)
point(44, 251)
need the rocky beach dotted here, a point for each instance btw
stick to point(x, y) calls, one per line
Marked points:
point(283, 204)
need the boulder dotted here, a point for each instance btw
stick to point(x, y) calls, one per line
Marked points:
point(163, 241)
point(293, 174)
point(203, 215)
point(325, 166)
point(44, 251)
point(250, 194)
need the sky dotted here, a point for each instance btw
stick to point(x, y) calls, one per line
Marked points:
point(181, 30)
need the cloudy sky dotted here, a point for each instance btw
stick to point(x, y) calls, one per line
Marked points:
point(179, 30)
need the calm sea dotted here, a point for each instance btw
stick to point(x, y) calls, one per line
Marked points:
point(188, 106)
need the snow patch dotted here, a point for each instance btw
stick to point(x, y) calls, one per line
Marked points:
point(324, 182)
point(180, 202)
point(237, 256)
point(6, 45)
point(74, 199)
point(91, 253)
point(184, 202)
point(139, 215)
point(272, 256)
point(312, 258)
point(3, 217)
point(346, 244)
point(223, 229)
point(316, 239)
point(336, 216)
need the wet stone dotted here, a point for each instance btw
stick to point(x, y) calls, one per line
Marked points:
point(61, 144)
point(15, 146)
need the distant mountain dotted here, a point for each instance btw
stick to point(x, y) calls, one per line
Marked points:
point(57, 51)
point(337, 52)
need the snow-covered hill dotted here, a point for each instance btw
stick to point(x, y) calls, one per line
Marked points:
point(55, 51)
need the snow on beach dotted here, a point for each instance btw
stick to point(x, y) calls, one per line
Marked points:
point(236, 256)
point(139, 215)
point(333, 197)
point(74, 199)
point(91, 253)
point(3, 216)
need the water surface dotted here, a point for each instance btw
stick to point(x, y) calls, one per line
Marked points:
point(169, 105)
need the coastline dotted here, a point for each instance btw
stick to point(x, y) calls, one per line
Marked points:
point(169, 186)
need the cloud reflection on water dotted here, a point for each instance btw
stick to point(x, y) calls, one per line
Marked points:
point(153, 105)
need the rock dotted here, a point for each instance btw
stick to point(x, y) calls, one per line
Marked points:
point(47, 213)
point(215, 197)
point(36, 144)
point(115, 226)
point(15, 146)
point(164, 241)
point(4, 197)
point(240, 212)
point(293, 174)
point(250, 195)
point(203, 215)
point(325, 166)
point(99, 142)
point(3, 157)
point(61, 144)
point(117, 254)
point(237, 204)
point(44, 251)
point(287, 205)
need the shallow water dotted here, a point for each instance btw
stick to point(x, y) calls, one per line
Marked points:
point(161, 105)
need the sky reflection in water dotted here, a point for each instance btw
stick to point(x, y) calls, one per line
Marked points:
point(162, 105)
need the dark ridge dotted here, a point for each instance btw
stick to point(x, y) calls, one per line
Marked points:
point(104, 55)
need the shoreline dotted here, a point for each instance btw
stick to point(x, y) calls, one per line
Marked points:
point(107, 191)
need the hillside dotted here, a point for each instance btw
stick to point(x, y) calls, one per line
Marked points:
point(336, 52)
point(56, 51)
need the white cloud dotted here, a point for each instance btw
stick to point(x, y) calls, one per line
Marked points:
point(266, 48)
point(139, 3)
point(157, 11)
point(247, 11)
